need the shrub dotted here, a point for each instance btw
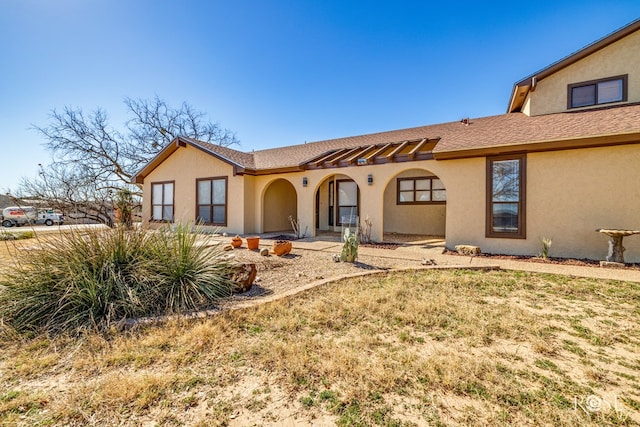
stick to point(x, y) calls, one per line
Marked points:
point(92, 280)
point(546, 247)
point(5, 235)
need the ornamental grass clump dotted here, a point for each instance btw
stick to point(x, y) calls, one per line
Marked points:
point(92, 280)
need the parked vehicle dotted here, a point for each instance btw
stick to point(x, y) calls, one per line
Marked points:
point(19, 215)
point(50, 217)
point(23, 215)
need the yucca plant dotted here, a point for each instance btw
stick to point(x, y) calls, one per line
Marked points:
point(546, 247)
point(91, 280)
point(188, 275)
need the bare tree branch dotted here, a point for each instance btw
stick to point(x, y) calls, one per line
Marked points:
point(92, 161)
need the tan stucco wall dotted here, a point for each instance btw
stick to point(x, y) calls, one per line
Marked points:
point(622, 57)
point(186, 165)
point(249, 205)
point(569, 195)
point(371, 196)
point(280, 202)
point(412, 219)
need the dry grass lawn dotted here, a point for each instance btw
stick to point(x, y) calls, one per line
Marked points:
point(394, 349)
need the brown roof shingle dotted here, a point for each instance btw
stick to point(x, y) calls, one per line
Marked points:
point(514, 129)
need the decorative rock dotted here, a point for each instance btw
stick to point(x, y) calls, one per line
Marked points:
point(264, 252)
point(228, 248)
point(244, 275)
point(428, 261)
point(612, 264)
point(336, 258)
point(468, 250)
point(225, 235)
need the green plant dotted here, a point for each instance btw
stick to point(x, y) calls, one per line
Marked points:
point(350, 247)
point(96, 279)
point(5, 235)
point(546, 247)
point(124, 207)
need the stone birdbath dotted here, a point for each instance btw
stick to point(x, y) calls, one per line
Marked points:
point(616, 250)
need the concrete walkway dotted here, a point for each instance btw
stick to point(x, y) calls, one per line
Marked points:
point(432, 250)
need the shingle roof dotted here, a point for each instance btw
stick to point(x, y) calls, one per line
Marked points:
point(514, 129)
point(234, 156)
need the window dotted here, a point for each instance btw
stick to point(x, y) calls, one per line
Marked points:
point(597, 92)
point(420, 191)
point(347, 192)
point(506, 192)
point(211, 200)
point(162, 201)
point(331, 203)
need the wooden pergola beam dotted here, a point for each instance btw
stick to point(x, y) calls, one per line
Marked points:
point(360, 153)
point(413, 152)
point(326, 157)
point(378, 151)
point(399, 148)
point(343, 156)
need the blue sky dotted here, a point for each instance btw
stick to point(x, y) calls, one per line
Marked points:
point(279, 72)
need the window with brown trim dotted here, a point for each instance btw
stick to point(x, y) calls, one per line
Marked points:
point(596, 92)
point(211, 201)
point(162, 201)
point(421, 190)
point(506, 194)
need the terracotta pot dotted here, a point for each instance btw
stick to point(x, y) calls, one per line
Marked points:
point(236, 242)
point(252, 243)
point(281, 247)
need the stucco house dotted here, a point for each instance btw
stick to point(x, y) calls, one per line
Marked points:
point(563, 161)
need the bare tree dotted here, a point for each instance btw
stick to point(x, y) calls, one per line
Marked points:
point(91, 161)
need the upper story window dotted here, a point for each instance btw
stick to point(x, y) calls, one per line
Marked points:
point(595, 92)
point(420, 190)
point(162, 201)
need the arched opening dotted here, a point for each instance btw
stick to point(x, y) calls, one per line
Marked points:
point(337, 203)
point(280, 201)
point(415, 203)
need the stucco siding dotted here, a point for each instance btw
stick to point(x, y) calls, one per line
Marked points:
point(621, 57)
point(280, 202)
point(569, 195)
point(412, 219)
point(185, 166)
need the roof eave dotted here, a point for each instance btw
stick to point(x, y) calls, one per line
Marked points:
point(531, 80)
point(178, 142)
point(539, 146)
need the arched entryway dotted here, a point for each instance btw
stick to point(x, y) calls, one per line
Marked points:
point(415, 202)
point(279, 203)
point(337, 203)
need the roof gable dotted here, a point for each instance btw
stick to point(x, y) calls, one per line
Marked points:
point(521, 88)
point(238, 159)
